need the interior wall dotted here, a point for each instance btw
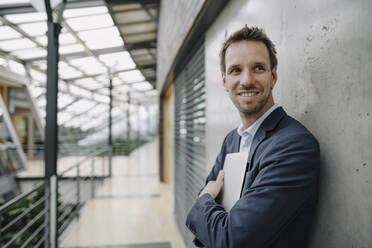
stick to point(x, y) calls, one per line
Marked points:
point(20, 123)
point(176, 19)
point(325, 60)
point(169, 136)
point(4, 93)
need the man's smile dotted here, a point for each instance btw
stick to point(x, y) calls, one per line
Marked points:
point(248, 94)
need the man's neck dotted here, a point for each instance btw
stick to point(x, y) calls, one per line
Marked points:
point(248, 120)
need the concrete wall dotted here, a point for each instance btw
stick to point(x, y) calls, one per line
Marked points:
point(325, 61)
point(176, 20)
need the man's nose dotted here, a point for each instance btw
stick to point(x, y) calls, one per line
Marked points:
point(246, 78)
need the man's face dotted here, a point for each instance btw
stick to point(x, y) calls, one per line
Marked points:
point(248, 77)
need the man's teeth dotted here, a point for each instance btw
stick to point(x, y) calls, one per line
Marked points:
point(249, 94)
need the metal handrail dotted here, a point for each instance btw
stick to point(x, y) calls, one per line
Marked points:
point(65, 214)
point(93, 154)
point(62, 147)
point(64, 225)
point(25, 228)
point(37, 150)
point(23, 214)
point(37, 231)
point(41, 240)
point(19, 198)
point(61, 209)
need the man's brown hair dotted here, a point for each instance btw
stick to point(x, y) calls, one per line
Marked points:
point(248, 34)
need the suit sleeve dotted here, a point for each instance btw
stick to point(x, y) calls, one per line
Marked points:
point(287, 179)
point(218, 165)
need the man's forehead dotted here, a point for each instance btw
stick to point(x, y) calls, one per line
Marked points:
point(248, 50)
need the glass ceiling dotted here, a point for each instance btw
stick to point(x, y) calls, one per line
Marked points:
point(91, 46)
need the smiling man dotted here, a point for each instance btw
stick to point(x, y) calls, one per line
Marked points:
point(280, 186)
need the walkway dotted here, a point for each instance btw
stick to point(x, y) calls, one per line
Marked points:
point(131, 209)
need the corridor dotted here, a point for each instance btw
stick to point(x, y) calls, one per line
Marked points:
point(131, 209)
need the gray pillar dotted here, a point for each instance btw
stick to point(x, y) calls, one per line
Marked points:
point(128, 120)
point(110, 130)
point(51, 130)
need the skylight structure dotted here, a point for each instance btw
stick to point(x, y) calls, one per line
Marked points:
point(100, 40)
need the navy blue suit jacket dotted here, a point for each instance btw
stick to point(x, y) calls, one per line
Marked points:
point(279, 192)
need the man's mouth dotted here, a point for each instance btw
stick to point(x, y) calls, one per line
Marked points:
point(248, 93)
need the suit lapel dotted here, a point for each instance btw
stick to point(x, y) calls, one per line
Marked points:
point(236, 143)
point(268, 124)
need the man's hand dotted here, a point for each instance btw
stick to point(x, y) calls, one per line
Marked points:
point(214, 187)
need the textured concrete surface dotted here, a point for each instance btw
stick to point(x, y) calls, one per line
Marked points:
point(176, 19)
point(325, 60)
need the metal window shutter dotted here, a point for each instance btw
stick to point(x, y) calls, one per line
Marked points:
point(190, 123)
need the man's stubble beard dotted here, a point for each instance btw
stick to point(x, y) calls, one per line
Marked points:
point(261, 104)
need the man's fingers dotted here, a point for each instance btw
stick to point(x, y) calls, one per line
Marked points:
point(220, 176)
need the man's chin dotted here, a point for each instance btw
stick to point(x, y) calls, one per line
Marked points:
point(251, 108)
point(250, 111)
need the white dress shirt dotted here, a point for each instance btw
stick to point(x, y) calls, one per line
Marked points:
point(248, 134)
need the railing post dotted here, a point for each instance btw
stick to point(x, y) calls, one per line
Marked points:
point(110, 125)
point(103, 164)
point(46, 215)
point(92, 177)
point(51, 128)
point(77, 190)
point(53, 212)
point(1, 235)
point(110, 160)
point(128, 121)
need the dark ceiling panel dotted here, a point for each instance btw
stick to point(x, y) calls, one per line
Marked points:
point(114, 2)
point(137, 24)
point(132, 16)
point(140, 37)
point(134, 28)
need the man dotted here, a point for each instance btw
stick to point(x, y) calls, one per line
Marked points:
point(280, 186)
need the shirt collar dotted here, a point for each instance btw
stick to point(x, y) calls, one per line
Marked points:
point(252, 129)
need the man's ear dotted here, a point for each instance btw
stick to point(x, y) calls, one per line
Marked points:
point(274, 77)
point(224, 80)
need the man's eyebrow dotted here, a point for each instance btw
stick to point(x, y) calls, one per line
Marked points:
point(233, 66)
point(260, 63)
point(253, 63)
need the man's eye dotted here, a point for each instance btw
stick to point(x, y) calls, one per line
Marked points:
point(259, 68)
point(235, 70)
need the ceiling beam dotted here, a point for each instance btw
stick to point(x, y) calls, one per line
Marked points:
point(131, 10)
point(16, 28)
point(133, 23)
point(27, 8)
point(140, 45)
point(152, 17)
point(140, 33)
point(73, 116)
point(120, 2)
point(16, 9)
point(83, 54)
point(119, 71)
point(127, 47)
